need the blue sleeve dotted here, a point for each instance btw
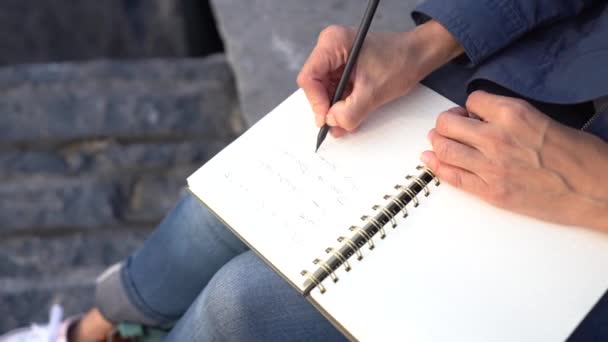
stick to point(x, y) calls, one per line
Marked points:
point(483, 27)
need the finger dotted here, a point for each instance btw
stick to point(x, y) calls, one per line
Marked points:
point(493, 108)
point(314, 84)
point(458, 111)
point(315, 79)
point(463, 112)
point(330, 119)
point(316, 93)
point(337, 132)
point(453, 175)
point(457, 125)
point(328, 55)
point(317, 75)
point(457, 154)
point(350, 112)
point(482, 104)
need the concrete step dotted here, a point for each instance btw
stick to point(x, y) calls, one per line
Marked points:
point(109, 77)
point(38, 271)
point(205, 105)
point(46, 204)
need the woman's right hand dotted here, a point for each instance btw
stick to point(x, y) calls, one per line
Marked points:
point(390, 64)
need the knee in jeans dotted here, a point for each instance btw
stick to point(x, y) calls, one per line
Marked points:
point(199, 226)
point(247, 301)
point(240, 298)
point(192, 228)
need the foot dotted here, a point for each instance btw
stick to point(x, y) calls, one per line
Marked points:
point(93, 327)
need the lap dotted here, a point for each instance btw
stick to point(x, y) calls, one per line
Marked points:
point(246, 300)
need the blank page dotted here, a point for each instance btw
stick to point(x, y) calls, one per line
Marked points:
point(290, 203)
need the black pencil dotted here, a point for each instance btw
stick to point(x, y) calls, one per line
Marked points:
point(351, 62)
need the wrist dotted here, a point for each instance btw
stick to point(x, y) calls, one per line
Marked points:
point(598, 191)
point(435, 46)
point(581, 160)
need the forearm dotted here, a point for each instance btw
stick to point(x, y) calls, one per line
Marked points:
point(582, 160)
point(435, 46)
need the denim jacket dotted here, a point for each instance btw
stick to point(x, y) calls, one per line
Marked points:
point(554, 51)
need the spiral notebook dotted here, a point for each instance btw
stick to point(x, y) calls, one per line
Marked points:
point(387, 256)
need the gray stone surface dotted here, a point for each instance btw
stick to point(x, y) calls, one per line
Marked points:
point(42, 31)
point(122, 116)
point(45, 203)
point(16, 163)
point(268, 41)
point(39, 271)
point(151, 195)
point(105, 75)
point(55, 204)
point(76, 105)
point(20, 309)
point(101, 144)
point(48, 256)
point(92, 156)
point(105, 156)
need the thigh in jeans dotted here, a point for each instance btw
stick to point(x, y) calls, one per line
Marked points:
point(248, 301)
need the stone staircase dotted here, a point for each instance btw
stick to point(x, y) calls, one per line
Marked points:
point(92, 155)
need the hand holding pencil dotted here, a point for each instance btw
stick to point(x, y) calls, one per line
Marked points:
point(389, 65)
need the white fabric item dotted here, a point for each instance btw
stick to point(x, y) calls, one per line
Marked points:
point(55, 330)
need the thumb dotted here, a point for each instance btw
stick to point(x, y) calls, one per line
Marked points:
point(350, 112)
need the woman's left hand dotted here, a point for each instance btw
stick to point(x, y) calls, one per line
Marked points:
point(514, 157)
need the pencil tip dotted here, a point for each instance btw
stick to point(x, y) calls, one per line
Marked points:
point(319, 142)
point(321, 136)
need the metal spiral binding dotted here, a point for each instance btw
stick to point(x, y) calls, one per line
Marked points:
point(373, 225)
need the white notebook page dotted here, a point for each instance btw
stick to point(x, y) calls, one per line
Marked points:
point(290, 203)
point(460, 270)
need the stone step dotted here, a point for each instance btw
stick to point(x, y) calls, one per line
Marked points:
point(36, 257)
point(84, 29)
point(73, 291)
point(108, 88)
point(45, 203)
point(105, 157)
point(39, 271)
point(127, 70)
point(55, 203)
point(207, 113)
point(59, 103)
point(111, 77)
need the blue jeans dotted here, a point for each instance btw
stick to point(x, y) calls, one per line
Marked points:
point(195, 276)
